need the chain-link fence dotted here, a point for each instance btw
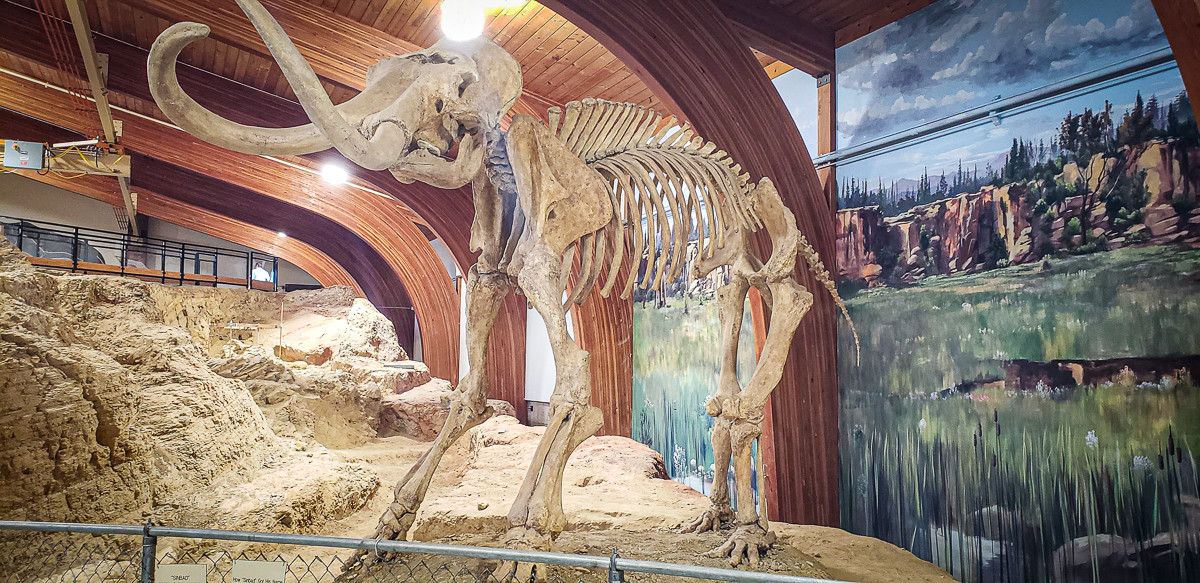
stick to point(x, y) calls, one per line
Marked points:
point(38, 552)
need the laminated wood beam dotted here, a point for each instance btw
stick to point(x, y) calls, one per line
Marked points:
point(696, 62)
point(1181, 22)
point(799, 42)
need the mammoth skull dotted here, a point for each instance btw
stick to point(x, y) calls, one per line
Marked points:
point(414, 107)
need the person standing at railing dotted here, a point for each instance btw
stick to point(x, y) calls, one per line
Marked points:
point(260, 273)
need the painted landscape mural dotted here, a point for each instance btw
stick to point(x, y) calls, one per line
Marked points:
point(676, 362)
point(1028, 298)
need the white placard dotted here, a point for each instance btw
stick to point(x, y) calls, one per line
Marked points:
point(258, 572)
point(180, 574)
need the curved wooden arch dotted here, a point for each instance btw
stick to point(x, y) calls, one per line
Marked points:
point(317, 264)
point(384, 224)
point(689, 55)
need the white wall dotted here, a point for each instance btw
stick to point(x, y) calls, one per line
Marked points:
point(25, 198)
point(539, 358)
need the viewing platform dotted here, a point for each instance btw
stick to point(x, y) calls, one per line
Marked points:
point(93, 251)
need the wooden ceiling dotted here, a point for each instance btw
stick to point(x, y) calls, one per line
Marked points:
point(341, 38)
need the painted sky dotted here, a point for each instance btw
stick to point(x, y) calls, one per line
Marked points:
point(958, 54)
point(799, 93)
point(989, 144)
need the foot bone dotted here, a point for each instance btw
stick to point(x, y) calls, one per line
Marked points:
point(710, 519)
point(749, 540)
point(528, 539)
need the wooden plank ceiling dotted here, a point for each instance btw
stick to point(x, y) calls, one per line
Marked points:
point(341, 39)
point(851, 20)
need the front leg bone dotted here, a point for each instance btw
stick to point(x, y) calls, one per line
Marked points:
point(468, 408)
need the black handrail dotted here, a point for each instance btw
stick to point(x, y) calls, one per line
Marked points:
point(49, 240)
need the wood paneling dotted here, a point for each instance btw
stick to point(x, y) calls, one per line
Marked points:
point(688, 55)
point(854, 21)
point(803, 44)
point(127, 74)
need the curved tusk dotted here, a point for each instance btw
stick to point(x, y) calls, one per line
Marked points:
point(195, 119)
point(389, 140)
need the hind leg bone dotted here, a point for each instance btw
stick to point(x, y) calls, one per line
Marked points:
point(745, 414)
point(731, 301)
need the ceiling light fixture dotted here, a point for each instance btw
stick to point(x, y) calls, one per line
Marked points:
point(282, 234)
point(463, 19)
point(334, 174)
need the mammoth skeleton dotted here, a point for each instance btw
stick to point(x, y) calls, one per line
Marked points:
point(613, 183)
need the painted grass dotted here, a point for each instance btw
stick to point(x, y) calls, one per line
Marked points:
point(676, 361)
point(996, 486)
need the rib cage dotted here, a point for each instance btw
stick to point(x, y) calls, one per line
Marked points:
point(692, 185)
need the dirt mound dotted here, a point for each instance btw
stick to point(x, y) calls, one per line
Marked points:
point(119, 400)
point(419, 413)
point(616, 496)
point(109, 411)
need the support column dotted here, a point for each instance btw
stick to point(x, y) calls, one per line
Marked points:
point(1181, 21)
point(827, 136)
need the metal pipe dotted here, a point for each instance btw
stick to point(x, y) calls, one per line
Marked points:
point(75, 250)
point(71, 527)
point(487, 553)
point(149, 552)
point(1124, 71)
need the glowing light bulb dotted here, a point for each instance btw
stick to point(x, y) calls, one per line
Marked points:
point(334, 174)
point(462, 19)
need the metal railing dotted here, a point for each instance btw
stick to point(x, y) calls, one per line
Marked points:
point(86, 250)
point(62, 559)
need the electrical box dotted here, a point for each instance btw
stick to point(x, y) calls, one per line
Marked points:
point(23, 155)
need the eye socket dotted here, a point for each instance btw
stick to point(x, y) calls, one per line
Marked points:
point(467, 79)
point(439, 105)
